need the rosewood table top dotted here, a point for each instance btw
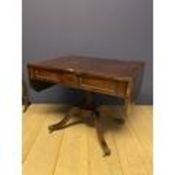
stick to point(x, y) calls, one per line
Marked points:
point(109, 68)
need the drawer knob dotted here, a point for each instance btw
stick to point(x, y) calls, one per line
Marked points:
point(70, 69)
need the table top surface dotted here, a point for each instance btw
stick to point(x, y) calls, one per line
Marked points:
point(114, 68)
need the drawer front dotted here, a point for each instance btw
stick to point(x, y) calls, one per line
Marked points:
point(44, 75)
point(51, 76)
point(97, 84)
point(111, 87)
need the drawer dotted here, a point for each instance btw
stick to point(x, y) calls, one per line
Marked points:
point(106, 86)
point(46, 75)
point(99, 84)
point(53, 76)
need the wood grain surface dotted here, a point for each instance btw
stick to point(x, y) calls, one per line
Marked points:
point(75, 150)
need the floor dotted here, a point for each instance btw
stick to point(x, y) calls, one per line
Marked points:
point(75, 150)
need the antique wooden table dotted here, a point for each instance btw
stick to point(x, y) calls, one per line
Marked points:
point(106, 76)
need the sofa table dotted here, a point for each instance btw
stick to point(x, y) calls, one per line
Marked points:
point(94, 75)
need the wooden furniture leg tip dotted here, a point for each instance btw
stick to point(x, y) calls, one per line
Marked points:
point(24, 110)
point(120, 121)
point(107, 152)
point(26, 106)
point(50, 128)
point(59, 125)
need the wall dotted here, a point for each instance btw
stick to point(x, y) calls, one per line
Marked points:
point(111, 29)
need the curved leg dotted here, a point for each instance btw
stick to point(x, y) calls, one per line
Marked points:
point(26, 105)
point(25, 96)
point(60, 124)
point(103, 144)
